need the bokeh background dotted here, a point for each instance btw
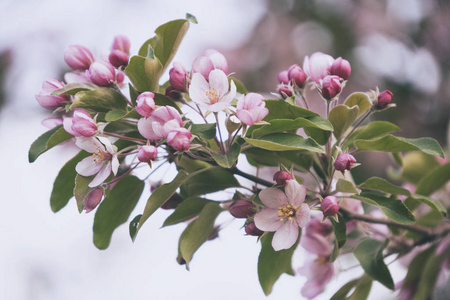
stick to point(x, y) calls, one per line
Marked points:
point(400, 45)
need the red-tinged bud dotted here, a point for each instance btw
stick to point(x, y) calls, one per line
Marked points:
point(93, 199)
point(82, 124)
point(331, 86)
point(384, 99)
point(242, 209)
point(329, 206)
point(179, 139)
point(296, 75)
point(173, 94)
point(122, 43)
point(45, 97)
point(283, 77)
point(78, 57)
point(341, 68)
point(281, 177)
point(102, 73)
point(118, 58)
point(177, 77)
point(344, 162)
point(251, 229)
point(145, 104)
point(120, 76)
point(172, 202)
point(147, 153)
point(285, 92)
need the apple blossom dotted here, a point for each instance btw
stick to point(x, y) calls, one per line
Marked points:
point(283, 77)
point(122, 43)
point(384, 99)
point(81, 124)
point(242, 209)
point(317, 66)
point(341, 68)
point(179, 139)
point(251, 229)
point(102, 162)
point(93, 199)
point(284, 214)
point(212, 95)
point(315, 238)
point(331, 87)
point(318, 273)
point(78, 57)
point(45, 97)
point(344, 162)
point(251, 109)
point(282, 177)
point(118, 58)
point(285, 92)
point(178, 76)
point(296, 76)
point(102, 73)
point(162, 121)
point(211, 60)
point(329, 206)
point(147, 153)
point(145, 104)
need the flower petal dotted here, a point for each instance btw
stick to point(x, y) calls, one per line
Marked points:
point(272, 197)
point(105, 141)
point(295, 192)
point(268, 220)
point(218, 80)
point(303, 215)
point(115, 164)
point(230, 96)
point(146, 129)
point(88, 166)
point(101, 176)
point(286, 236)
point(198, 88)
point(89, 144)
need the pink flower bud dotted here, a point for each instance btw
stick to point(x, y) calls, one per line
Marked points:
point(331, 86)
point(147, 153)
point(344, 162)
point(172, 202)
point(145, 104)
point(283, 77)
point(329, 206)
point(211, 60)
point(218, 59)
point(120, 76)
point(251, 109)
point(82, 124)
point(118, 58)
point(242, 209)
point(160, 123)
point(281, 177)
point(316, 66)
point(251, 229)
point(285, 92)
point(384, 98)
point(341, 68)
point(179, 139)
point(102, 73)
point(122, 43)
point(78, 57)
point(93, 199)
point(296, 75)
point(45, 99)
point(178, 77)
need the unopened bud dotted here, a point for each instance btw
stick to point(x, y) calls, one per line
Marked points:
point(177, 77)
point(102, 73)
point(341, 68)
point(118, 58)
point(242, 209)
point(122, 43)
point(283, 77)
point(296, 75)
point(93, 199)
point(78, 57)
point(179, 139)
point(82, 124)
point(285, 92)
point(145, 104)
point(344, 162)
point(147, 153)
point(281, 177)
point(331, 86)
point(45, 97)
point(251, 229)
point(172, 202)
point(384, 99)
point(329, 206)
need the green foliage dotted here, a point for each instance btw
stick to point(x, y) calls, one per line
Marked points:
point(285, 142)
point(208, 181)
point(345, 186)
point(186, 210)
point(339, 230)
point(204, 131)
point(359, 99)
point(82, 190)
point(373, 130)
point(286, 125)
point(228, 159)
point(75, 87)
point(342, 117)
point(47, 141)
point(101, 100)
point(144, 73)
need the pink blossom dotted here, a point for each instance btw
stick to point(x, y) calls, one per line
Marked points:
point(317, 66)
point(296, 76)
point(329, 206)
point(78, 57)
point(341, 68)
point(77, 77)
point(102, 73)
point(331, 86)
point(102, 162)
point(285, 92)
point(251, 108)
point(212, 95)
point(242, 209)
point(147, 153)
point(51, 123)
point(318, 273)
point(177, 77)
point(93, 199)
point(81, 124)
point(282, 177)
point(344, 162)
point(162, 121)
point(122, 43)
point(118, 58)
point(45, 97)
point(179, 139)
point(251, 229)
point(145, 104)
point(283, 77)
point(384, 99)
point(284, 214)
point(316, 237)
point(211, 60)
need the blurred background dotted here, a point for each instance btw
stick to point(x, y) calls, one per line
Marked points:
point(400, 45)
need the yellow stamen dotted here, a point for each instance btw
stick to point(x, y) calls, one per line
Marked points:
point(213, 95)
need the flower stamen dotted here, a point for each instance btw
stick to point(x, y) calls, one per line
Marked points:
point(213, 95)
point(286, 212)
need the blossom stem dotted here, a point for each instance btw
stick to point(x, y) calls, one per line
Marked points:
point(251, 177)
point(222, 146)
point(355, 127)
point(123, 175)
point(124, 137)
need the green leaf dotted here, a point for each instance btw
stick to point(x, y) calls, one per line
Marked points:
point(82, 190)
point(277, 125)
point(280, 109)
point(372, 130)
point(434, 204)
point(346, 186)
point(198, 231)
point(434, 180)
point(191, 18)
point(65, 183)
point(341, 294)
point(394, 209)
point(362, 289)
point(205, 131)
point(101, 100)
point(271, 263)
point(144, 73)
point(240, 87)
point(416, 267)
point(166, 42)
point(228, 159)
point(208, 181)
point(417, 165)
point(301, 160)
point(392, 143)
point(370, 255)
point(359, 99)
point(380, 184)
point(318, 135)
point(340, 230)
point(114, 115)
point(186, 210)
point(162, 100)
point(115, 209)
point(133, 227)
point(284, 142)
point(47, 141)
point(73, 88)
point(342, 117)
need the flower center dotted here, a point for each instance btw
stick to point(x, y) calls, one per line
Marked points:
point(286, 212)
point(213, 95)
point(101, 156)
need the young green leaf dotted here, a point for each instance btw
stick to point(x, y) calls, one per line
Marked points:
point(362, 289)
point(284, 142)
point(100, 100)
point(228, 159)
point(186, 210)
point(208, 181)
point(342, 117)
point(339, 230)
point(434, 180)
point(73, 88)
point(345, 186)
point(144, 73)
point(359, 99)
point(47, 141)
point(380, 184)
point(342, 293)
point(81, 190)
point(205, 131)
point(133, 227)
point(373, 130)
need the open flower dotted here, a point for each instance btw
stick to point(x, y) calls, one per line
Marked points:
point(102, 162)
point(318, 273)
point(285, 212)
point(251, 108)
point(212, 95)
point(161, 121)
point(317, 66)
